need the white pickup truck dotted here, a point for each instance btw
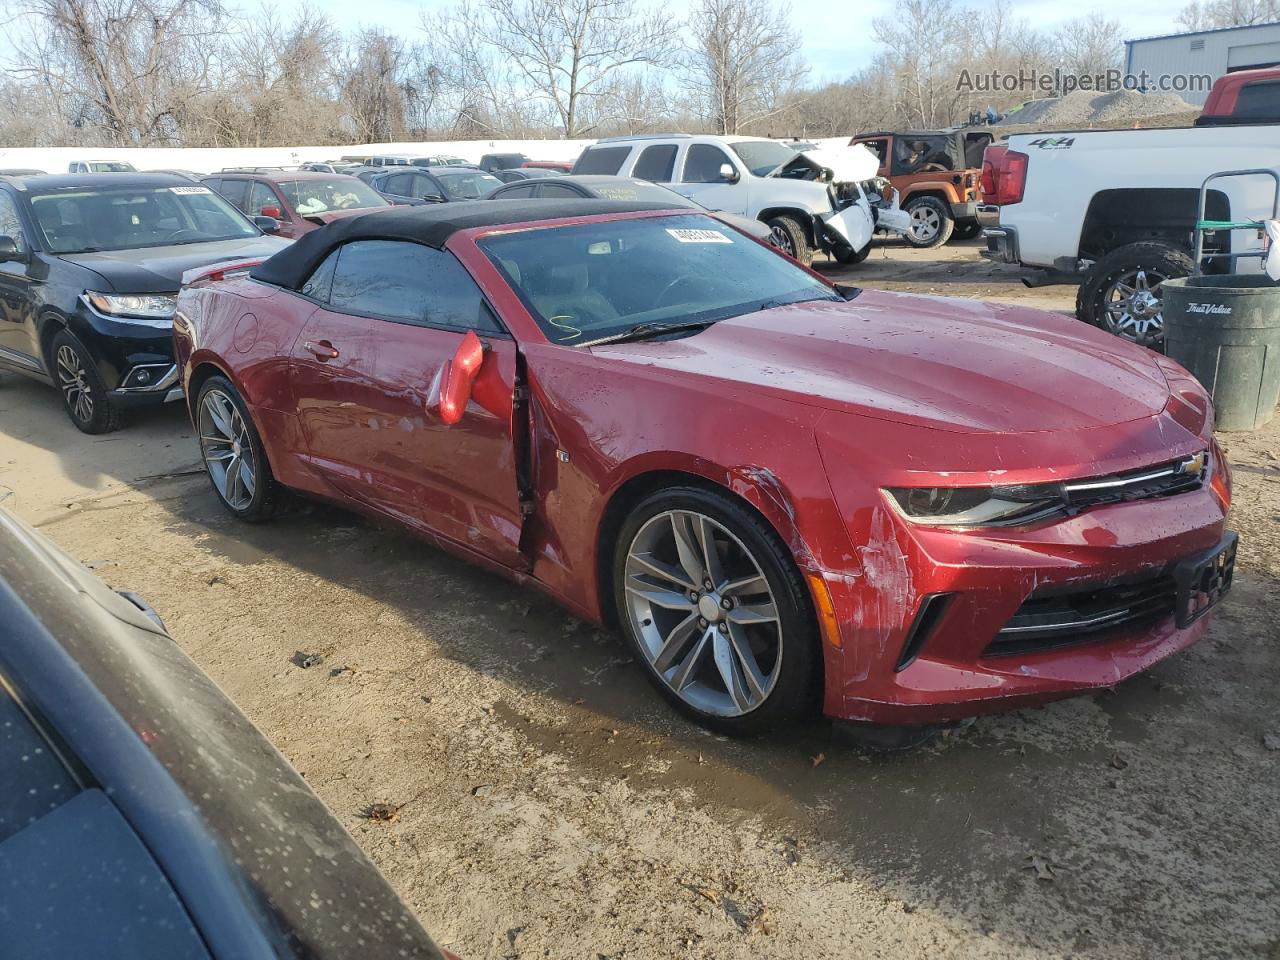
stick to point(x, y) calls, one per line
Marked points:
point(1115, 210)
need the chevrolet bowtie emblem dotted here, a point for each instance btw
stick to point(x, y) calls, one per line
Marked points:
point(1194, 465)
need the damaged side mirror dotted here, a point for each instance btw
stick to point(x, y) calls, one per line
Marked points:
point(459, 376)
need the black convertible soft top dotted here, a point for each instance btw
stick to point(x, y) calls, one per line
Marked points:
point(431, 224)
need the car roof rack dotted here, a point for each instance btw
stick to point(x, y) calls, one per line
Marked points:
point(647, 136)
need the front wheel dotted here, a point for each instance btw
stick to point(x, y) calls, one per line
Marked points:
point(931, 222)
point(1121, 292)
point(84, 395)
point(232, 451)
point(790, 236)
point(847, 255)
point(716, 610)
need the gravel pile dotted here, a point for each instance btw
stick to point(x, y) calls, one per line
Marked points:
point(1084, 108)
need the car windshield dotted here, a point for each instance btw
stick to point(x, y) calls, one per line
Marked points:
point(128, 218)
point(762, 157)
point(589, 281)
point(108, 166)
point(467, 186)
point(309, 197)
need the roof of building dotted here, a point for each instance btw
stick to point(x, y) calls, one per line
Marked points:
point(1201, 33)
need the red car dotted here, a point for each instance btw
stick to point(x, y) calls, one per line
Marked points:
point(300, 200)
point(909, 509)
point(561, 165)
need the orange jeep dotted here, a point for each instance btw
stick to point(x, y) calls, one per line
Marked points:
point(937, 175)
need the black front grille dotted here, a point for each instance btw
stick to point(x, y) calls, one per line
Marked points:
point(1055, 616)
point(1162, 480)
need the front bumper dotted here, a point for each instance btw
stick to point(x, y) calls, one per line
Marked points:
point(962, 665)
point(1002, 244)
point(135, 360)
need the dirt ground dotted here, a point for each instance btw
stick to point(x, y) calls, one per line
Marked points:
point(553, 807)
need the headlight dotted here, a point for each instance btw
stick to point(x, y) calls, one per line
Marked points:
point(978, 506)
point(155, 307)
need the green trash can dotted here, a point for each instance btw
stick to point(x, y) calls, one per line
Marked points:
point(1226, 331)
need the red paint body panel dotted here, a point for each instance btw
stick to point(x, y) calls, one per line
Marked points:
point(807, 412)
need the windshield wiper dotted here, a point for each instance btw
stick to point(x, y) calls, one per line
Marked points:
point(786, 302)
point(650, 329)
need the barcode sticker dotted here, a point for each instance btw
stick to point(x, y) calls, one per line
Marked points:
point(699, 236)
point(190, 190)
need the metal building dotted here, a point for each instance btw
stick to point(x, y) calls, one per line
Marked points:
point(1212, 52)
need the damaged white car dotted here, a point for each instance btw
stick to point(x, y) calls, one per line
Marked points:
point(826, 199)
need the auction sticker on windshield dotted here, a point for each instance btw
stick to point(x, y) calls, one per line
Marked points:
point(190, 190)
point(699, 236)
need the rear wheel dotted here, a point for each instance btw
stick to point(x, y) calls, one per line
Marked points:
point(790, 236)
point(233, 454)
point(1121, 292)
point(931, 222)
point(715, 609)
point(84, 395)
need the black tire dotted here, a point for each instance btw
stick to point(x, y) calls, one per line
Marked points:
point(84, 395)
point(794, 692)
point(260, 504)
point(791, 238)
point(966, 230)
point(847, 255)
point(933, 212)
point(1149, 259)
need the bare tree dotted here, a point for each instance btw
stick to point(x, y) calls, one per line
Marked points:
point(742, 61)
point(389, 86)
point(1214, 14)
point(566, 52)
point(921, 35)
point(123, 67)
point(1089, 45)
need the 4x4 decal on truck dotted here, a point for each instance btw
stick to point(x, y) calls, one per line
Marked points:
point(1053, 143)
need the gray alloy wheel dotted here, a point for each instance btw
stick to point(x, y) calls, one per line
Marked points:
point(1132, 306)
point(84, 396)
point(703, 612)
point(228, 450)
point(926, 224)
point(782, 240)
point(72, 379)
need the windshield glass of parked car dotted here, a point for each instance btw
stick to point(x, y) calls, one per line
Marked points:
point(762, 157)
point(309, 197)
point(132, 217)
point(594, 280)
point(467, 186)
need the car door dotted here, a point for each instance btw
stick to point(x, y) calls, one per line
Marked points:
point(369, 364)
point(395, 187)
point(236, 190)
point(19, 278)
point(701, 179)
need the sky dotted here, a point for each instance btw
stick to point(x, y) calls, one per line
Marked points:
point(836, 36)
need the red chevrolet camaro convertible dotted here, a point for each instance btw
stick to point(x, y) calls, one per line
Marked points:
point(784, 492)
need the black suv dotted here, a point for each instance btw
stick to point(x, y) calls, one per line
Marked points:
point(90, 266)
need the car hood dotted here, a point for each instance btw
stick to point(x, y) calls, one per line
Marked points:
point(845, 164)
point(160, 269)
point(958, 365)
